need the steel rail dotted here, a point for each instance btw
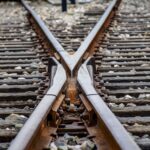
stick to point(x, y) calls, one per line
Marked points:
point(100, 26)
point(31, 128)
point(50, 37)
point(71, 61)
point(110, 122)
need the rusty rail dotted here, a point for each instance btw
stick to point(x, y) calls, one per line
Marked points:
point(111, 125)
point(34, 123)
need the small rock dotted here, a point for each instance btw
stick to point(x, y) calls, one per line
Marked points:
point(26, 108)
point(53, 146)
point(25, 73)
point(135, 137)
point(128, 97)
point(116, 66)
point(144, 65)
point(121, 105)
point(141, 96)
point(8, 129)
point(71, 140)
point(41, 65)
point(76, 147)
point(17, 119)
point(61, 141)
point(112, 97)
point(133, 70)
point(87, 145)
point(18, 67)
point(127, 35)
point(34, 65)
point(29, 100)
point(111, 72)
point(21, 78)
point(28, 39)
point(35, 73)
point(112, 105)
point(145, 136)
point(137, 125)
point(107, 52)
point(125, 125)
point(72, 108)
point(147, 95)
point(131, 105)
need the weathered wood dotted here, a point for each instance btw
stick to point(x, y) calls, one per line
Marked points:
point(140, 101)
point(132, 120)
point(15, 49)
point(142, 58)
point(18, 88)
point(19, 81)
point(18, 57)
point(124, 68)
point(132, 111)
point(19, 61)
point(29, 76)
point(18, 103)
point(125, 74)
point(5, 54)
point(7, 135)
point(140, 130)
point(16, 96)
point(128, 79)
point(126, 85)
point(7, 111)
point(129, 91)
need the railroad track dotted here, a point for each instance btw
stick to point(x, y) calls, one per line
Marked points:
point(72, 37)
point(71, 113)
point(23, 71)
point(122, 77)
point(73, 29)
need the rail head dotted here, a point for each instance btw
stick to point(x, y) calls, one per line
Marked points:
point(112, 125)
point(26, 135)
